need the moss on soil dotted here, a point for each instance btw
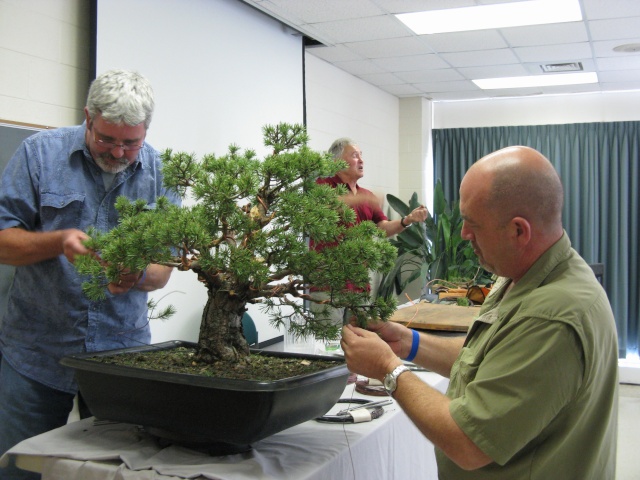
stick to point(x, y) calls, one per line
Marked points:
point(258, 367)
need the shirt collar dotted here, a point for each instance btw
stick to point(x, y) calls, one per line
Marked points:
point(337, 180)
point(543, 266)
point(535, 276)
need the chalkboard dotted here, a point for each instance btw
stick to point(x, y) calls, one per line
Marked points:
point(11, 136)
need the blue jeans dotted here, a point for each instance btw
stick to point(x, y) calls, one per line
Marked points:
point(27, 408)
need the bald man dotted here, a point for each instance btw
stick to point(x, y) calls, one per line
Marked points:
point(533, 385)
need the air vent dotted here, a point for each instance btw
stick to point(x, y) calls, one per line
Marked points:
point(562, 67)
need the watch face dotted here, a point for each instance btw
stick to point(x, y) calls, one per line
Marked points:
point(389, 383)
point(391, 379)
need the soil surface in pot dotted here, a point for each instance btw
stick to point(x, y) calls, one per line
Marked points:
point(182, 360)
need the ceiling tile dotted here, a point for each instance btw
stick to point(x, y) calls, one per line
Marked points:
point(621, 76)
point(390, 48)
point(446, 86)
point(473, 59)
point(440, 75)
point(364, 38)
point(605, 48)
point(411, 62)
point(339, 53)
point(554, 53)
point(405, 6)
point(493, 71)
point(597, 9)
point(573, 32)
point(324, 11)
point(614, 29)
point(620, 63)
point(465, 41)
point(620, 86)
point(359, 29)
point(401, 90)
point(379, 79)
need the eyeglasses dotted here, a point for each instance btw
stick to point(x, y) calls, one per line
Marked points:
point(127, 147)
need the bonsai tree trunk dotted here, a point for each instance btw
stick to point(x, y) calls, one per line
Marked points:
point(221, 336)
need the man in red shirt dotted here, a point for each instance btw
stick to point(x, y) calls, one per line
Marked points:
point(365, 204)
point(363, 201)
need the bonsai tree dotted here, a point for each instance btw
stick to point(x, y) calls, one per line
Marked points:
point(246, 238)
point(434, 251)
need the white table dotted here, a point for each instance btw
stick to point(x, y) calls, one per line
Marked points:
point(389, 447)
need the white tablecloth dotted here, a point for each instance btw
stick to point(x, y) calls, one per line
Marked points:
point(389, 447)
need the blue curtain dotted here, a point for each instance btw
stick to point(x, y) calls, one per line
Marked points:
point(599, 167)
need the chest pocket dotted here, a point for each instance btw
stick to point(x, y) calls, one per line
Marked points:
point(466, 366)
point(59, 211)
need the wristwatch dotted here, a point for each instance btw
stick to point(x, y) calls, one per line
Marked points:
point(391, 379)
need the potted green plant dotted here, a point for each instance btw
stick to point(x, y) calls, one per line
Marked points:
point(245, 237)
point(433, 252)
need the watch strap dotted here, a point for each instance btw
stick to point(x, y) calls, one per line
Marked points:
point(392, 378)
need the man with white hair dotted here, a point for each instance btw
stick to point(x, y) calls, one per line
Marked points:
point(366, 206)
point(58, 184)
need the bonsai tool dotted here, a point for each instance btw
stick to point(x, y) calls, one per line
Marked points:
point(352, 415)
point(366, 405)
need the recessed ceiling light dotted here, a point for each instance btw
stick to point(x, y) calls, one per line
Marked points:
point(532, 12)
point(537, 80)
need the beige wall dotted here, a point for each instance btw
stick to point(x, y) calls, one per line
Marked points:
point(44, 61)
point(341, 105)
point(416, 172)
point(393, 133)
point(547, 110)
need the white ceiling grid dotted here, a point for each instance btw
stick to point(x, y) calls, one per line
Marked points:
point(364, 38)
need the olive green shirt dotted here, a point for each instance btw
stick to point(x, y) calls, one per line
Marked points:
point(535, 385)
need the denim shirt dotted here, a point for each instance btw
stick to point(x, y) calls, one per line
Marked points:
point(52, 183)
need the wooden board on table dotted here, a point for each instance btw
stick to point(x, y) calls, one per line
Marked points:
point(436, 316)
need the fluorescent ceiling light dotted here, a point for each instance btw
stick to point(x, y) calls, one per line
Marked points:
point(537, 80)
point(532, 12)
